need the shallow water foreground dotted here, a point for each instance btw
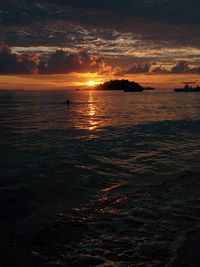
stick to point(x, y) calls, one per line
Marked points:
point(111, 180)
point(158, 225)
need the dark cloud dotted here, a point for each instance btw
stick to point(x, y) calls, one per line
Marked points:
point(59, 62)
point(159, 70)
point(13, 12)
point(62, 62)
point(182, 67)
point(178, 19)
point(139, 68)
point(135, 68)
point(179, 11)
point(11, 63)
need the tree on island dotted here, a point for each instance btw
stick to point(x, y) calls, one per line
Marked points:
point(120, 85)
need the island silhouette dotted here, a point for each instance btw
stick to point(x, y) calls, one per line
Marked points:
point(124, 85)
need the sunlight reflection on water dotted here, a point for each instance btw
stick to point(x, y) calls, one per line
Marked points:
point(92, 111)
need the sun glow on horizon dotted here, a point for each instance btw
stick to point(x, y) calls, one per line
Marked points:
point(92, 83)
point(81, 80)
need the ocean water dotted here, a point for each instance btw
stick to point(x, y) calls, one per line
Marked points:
point(116, 174)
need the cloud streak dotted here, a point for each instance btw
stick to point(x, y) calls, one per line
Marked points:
point(182, 67)
point(144, 19)
point(64, 62)
point(59, 62)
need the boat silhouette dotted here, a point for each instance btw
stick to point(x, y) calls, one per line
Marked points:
point(188, 89)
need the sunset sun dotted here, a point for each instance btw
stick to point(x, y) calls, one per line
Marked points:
point(92, 83)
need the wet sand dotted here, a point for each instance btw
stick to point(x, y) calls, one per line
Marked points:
point(156, 225)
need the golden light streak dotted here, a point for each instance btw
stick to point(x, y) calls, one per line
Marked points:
point(92, 112)
point(83, 81)
point(92, 83)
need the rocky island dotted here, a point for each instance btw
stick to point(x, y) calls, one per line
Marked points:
point(124, 85)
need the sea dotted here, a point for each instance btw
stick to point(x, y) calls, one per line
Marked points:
point(112, 179)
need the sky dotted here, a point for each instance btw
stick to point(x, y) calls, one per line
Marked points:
point(71, 43)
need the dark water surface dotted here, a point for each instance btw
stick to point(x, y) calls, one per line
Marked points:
point(117, 175)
